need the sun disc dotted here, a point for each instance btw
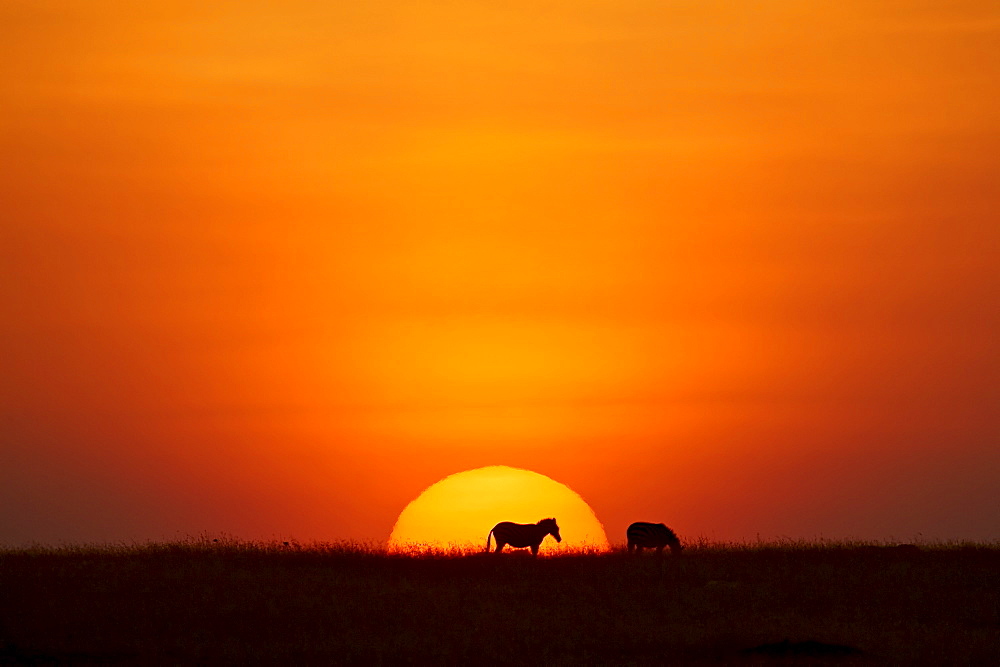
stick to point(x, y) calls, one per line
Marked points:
point(460, 510)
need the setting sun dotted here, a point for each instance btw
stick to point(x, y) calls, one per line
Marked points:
point(460, 510)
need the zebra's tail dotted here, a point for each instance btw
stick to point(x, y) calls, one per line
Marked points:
point(488, 540)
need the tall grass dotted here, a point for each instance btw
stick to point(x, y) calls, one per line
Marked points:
point(220, 600)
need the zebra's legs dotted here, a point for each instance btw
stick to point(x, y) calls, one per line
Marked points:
point(500, 546)
point(659, 550)
point(534, 550)
point(631, 546)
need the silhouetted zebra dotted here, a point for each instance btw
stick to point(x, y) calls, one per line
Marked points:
point(521, 535)
point(642, 535)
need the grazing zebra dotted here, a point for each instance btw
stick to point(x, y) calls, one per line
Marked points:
point(521, 535)
point(642, 535)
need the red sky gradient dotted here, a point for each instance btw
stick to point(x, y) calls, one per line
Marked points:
point(272, 268)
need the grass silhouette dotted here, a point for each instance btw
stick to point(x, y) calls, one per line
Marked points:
point(225, 601)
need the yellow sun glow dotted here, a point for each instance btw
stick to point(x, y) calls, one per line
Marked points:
point(460, 510)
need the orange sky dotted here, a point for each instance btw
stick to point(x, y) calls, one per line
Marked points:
point(272, 268)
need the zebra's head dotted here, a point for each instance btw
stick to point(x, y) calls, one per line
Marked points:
point(673, 541)
point(551, 527)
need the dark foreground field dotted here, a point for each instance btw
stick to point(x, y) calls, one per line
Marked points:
point(234, 603)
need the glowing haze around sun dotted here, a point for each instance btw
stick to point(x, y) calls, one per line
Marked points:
point(460, 510)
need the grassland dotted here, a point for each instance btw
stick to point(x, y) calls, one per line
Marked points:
point(231, 602)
